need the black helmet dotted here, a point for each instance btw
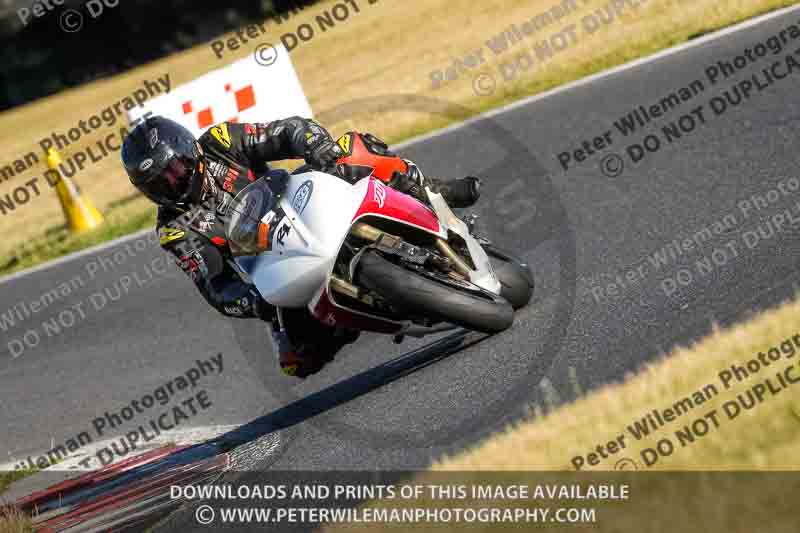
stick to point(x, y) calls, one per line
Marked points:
point(163, 160)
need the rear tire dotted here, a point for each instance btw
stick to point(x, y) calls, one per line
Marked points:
point(515, 277)
point(488, 313)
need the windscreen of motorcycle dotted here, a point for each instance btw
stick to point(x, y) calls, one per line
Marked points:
point(245, 230)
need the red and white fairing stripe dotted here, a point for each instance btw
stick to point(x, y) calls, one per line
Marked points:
point(385, 202)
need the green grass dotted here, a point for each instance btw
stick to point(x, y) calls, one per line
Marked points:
point(12, 520)
point(58, 241)
point(7, 478)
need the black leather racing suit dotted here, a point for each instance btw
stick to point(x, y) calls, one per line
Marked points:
point(235, 156)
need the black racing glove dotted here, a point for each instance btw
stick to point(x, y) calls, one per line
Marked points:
point(321, 150)
point(323, 155)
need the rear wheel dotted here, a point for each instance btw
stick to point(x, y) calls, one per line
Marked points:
point(515, 276)
point(415, 293)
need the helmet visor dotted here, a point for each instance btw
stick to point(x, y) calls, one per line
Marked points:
point(174, 182)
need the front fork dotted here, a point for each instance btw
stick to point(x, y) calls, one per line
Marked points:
point(449, 261)
point(391, 245)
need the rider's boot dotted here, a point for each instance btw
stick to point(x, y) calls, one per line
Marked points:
point(313, 353)
point(458, 193)
point(299, 362)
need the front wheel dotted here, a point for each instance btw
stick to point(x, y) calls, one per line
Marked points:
point(480, 311)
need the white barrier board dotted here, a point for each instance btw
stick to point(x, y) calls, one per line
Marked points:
point(244, 91)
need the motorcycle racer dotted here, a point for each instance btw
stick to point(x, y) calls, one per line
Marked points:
point(194, 181)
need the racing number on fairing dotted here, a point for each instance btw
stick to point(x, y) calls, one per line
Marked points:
point(283, 232)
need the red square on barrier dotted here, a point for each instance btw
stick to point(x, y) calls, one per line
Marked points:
point(205, 118)
point(187, 107)
point(245, 98)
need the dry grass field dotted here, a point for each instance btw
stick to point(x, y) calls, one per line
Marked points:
point(762, 434)
point(764, 437)
point(386, 48)
point(15, 522)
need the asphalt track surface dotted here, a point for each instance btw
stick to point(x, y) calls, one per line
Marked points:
point(385, 407)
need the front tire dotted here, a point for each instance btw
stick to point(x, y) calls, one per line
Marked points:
point(412, 292)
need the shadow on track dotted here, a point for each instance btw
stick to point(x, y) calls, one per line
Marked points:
point(349, 389)
point(163, 471)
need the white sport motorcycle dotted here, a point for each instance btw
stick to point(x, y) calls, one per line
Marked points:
point(369, 258)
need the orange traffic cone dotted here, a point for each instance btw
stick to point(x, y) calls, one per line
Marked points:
point(80, 213)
